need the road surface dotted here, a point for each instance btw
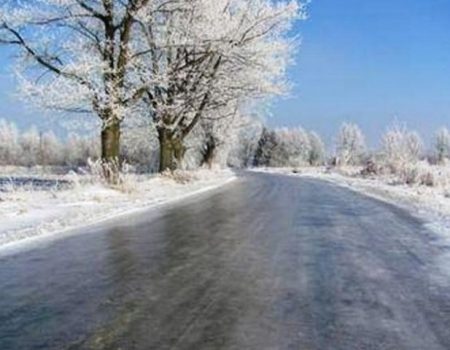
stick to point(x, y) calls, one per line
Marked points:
point(267, 262)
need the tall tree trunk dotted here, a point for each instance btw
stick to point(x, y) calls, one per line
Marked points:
point(179, 151)
point(110, 137)
point(166, 154)
point(171, 150)
point(210, 152)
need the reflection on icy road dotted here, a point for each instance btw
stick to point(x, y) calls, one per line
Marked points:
point(268, 262)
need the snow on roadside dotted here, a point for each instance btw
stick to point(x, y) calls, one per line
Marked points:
point(429, 203)
point(30, 213)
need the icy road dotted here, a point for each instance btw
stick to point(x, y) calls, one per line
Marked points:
point(267, 262)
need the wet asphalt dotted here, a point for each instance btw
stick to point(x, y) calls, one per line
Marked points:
point(266, 262)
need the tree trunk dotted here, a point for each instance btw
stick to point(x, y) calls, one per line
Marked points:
point(171, 151)
point(166, 154)
point(179, 151)
point(110, 137)
point(209, 153)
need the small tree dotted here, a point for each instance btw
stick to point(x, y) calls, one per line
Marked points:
point(350, 145)
point(317, 151)
point(442, 145)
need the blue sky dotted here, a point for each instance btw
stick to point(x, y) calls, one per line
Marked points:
point(363, 61)
point(370, 62)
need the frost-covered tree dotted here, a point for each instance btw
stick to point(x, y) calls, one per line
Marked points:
point(243, 150)
point(50, 149)
point(442, 144)
point(205, 56)
point(293, 148)
point(220, 135)
point(78, 56)
point(210, 142)
point(177, 61)
point(78, 150)
point(350, 145)
point(267, 143)
point(317, 152)
point(30, 144)
point(9, 143)
point(401, 147)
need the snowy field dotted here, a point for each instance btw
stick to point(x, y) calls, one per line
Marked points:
point(35, 204)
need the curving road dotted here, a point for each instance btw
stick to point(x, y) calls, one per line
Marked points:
point(268, 262)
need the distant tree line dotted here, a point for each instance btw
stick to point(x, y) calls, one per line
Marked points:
point(289, 147)
point(31, 147)
point(246, 144)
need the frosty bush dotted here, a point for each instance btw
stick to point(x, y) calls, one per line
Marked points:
point(108, 174)
point(179, 176)
point(402, 148)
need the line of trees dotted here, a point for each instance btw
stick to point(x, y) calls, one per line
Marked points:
point(240, 142)
point(31, 147)
point(140, 147)
point(183, 65)
point(399, 147)
point(289, 147)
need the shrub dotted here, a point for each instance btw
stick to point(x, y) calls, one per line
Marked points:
point(401, 149)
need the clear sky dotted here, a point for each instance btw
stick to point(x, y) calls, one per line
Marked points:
point(370, 62)
point(365, 61)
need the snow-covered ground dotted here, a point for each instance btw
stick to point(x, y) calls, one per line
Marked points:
point(35, 206)
point(431, 204)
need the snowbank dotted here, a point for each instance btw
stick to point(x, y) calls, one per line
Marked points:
point(31, 211)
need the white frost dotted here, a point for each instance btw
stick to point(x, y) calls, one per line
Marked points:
point(27, 214)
